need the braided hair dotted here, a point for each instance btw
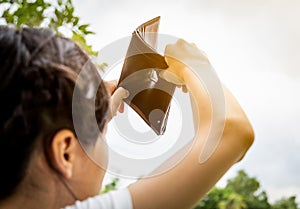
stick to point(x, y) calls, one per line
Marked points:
point(38, 71)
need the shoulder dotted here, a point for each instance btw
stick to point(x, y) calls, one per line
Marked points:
point(119, 199)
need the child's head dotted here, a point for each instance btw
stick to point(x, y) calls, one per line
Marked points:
point(38, 71)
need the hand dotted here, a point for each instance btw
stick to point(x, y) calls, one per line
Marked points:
point(181, 57)
point(117, 96)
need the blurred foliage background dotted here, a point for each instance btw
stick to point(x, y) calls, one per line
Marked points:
point(57, 15)
point(241, 192)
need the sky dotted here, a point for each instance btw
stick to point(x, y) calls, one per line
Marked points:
point(254, 48)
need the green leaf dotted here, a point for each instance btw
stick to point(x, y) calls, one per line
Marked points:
point(7, 16)
point(111, 186)
point(33, 14)
point(75, 21)
point(80, 40)
point(83, 27)
point(101, 66)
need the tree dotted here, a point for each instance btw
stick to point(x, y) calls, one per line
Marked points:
point(222, 198)
point(57, 15)
point(243, 184)
point(212, 199)
point(248, 188)
point(286, 203)
point(234, 201)
point(243, 192)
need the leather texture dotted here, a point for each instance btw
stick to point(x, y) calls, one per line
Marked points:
point(150, 96)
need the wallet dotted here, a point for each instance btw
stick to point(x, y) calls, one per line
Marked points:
point(149, 95)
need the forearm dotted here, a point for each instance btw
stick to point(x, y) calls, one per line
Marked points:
point(185, 184)
point(200, 99)
point(202, 105)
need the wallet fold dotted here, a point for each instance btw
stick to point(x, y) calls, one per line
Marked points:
point(150, 95)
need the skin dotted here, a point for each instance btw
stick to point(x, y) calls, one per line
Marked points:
point(43, 186)
point(181, 187)
point(185, 184)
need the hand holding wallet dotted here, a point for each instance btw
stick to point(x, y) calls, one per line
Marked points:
point(149, 95)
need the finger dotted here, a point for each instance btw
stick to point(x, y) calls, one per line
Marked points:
point(121, 108)
point(117, 100)
point(181, 41)
point(111, 86)
point(170, 77)
point(184, 89)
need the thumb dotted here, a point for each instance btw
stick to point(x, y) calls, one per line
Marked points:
point(116, 100)
point(171, 77)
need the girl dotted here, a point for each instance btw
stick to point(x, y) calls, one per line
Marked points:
point(43, 163)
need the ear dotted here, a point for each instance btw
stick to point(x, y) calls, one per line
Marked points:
point(64, 147)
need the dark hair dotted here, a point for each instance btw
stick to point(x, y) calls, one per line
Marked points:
point(38, 71)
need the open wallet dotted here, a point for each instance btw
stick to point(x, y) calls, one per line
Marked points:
point(149, 95)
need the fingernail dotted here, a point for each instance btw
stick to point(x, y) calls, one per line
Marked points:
point(125, 92)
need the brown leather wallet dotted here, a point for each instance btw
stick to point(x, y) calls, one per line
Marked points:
point(150, 95)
